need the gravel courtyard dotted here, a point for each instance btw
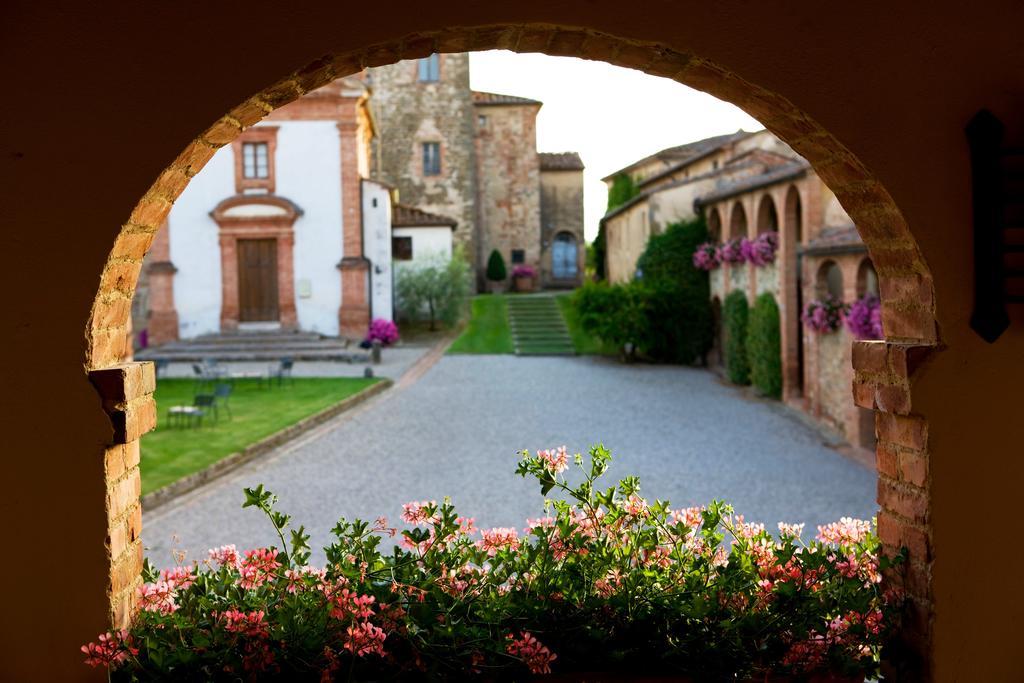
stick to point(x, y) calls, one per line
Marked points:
point(456, 431)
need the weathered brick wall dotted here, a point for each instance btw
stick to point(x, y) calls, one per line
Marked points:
point(409, 113)
point(561, 210)
point(508, 178)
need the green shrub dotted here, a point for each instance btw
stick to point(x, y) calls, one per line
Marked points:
point(436, 290)
point(612, 313)
point(677, 297)
point(496, 267)
point(735, 313)
point(764, 347)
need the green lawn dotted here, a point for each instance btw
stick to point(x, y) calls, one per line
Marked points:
point(585, 343)
point(488, 330)
point(169, 454)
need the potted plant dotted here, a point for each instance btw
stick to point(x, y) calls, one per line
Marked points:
point(496, 273)
point(824, 315)
point(524, 276)
point(603, 586)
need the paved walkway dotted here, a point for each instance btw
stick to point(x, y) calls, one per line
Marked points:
point(455, 431)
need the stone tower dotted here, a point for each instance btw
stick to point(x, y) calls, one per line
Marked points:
point(424, 147)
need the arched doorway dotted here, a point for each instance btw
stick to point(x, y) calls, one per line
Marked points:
point(106, 325)
point(564, 256)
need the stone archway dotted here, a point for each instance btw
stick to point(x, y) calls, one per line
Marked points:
point(883, 368)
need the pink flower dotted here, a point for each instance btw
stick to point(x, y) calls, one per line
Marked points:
point(691, 517)
point(157, 597)
point(744, 529)
point(364, 638)
point(536, 657)
point(179, 577)
point(557, 461)
point(248, 624)
point(258, 567)
point(225, 556)
point(706, 257)
point(420, 512)
point(113, 648)
point(790, 530)
point(497, 539)
point(847, 531)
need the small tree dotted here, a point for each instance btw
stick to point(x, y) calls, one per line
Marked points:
point(437, 290)
point(735, 312)
point(764, 347)
point(496, 267)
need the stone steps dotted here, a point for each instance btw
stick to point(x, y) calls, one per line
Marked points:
point(537, 326)
point(252, 346)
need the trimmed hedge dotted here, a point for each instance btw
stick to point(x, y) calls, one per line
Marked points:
point(735, 313)
point(666, 315)
point(496, 267)
point(764, 346)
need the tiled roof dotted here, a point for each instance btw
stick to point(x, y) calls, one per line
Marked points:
point(488, 98)
point(681, 154)
point(404, 216)
point(834, 240)
point(560, 161)
point(778, 174)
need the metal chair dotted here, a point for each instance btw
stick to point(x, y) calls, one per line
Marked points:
point(283, 371)
point(206, 404)
point(222, 396)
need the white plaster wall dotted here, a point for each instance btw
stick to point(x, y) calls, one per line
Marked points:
point(717, 277)
point(377, 248)
point(768, 279)
point(427, 242)
point(308, 172)
point(195, 246)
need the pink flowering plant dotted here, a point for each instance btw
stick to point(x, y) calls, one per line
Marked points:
point(705, 257)
point(731, 251)
point(384, 331)
point(761, 250)
point(603, 580)
point(524, 270)
point(824, 315)
point(864, 318)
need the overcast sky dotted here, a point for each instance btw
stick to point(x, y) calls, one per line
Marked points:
point(610, 115)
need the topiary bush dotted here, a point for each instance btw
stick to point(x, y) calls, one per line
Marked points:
point(735, 313)
point(764, 346)
point(496, 267)
point(612, 313)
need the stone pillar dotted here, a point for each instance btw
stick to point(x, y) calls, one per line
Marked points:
point(127, 393)
point(229, 282)
point(286, 281)
point(162, 323)
point(354, 314)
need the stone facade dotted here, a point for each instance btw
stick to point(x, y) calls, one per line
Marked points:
point(490, 178)
point(411, 113)
point(508, 179)
point(563, 245)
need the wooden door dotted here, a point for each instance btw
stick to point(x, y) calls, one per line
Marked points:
point(563, 257)
point(257, 281)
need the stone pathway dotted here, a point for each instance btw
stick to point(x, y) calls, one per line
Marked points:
point(456, 431)
point(538, 328)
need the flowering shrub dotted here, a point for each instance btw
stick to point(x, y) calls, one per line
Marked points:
point(761, 250)
point(603, 580)
point(864, 318)
point(706, 257)
point(384, 331)
point(524, 270)
point(824, 315)
point(731, 251)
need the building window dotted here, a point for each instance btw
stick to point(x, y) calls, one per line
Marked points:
point(518, 256)
point(431, 158)
point(255, 160)
point(254, 152)
point(430, 68)
point(481, 121)
point(401, 248)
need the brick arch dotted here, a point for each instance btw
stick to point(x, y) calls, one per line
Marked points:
point(738, 224)
point(767, 215)
point(883, 369)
